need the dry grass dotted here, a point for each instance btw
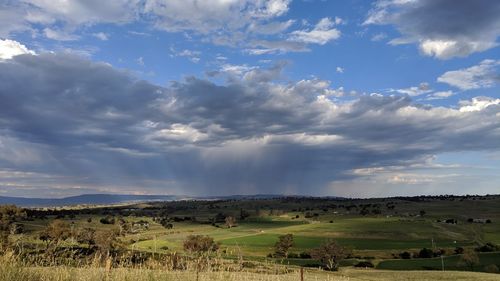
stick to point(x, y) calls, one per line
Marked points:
point(124, 274)
point(12, 269)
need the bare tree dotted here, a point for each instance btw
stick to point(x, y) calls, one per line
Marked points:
point(230, 221)
point(469, 258)
point(330, 254)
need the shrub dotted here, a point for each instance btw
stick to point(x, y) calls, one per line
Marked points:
point(405, 255)
point(305, 255)
point(488, 247)
point(459, 250)
point(425, 253)
point(200, 244)
point(107, 220)
point(491, 268)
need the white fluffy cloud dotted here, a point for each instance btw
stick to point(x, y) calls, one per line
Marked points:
point(483, 75)
point(478, 104)
point(10, 48)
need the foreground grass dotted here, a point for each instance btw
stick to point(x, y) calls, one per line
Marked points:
point(18, 273)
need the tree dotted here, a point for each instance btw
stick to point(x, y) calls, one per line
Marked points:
point(200, 244)
point(107, 220)
point(86, 236)
point(106, 241)
point(425, 253)
point(16, 228)
point(469, 258)
point(230, 221)
point(330, 254)
point(243, 214)
point(283, 245)
point(422, 213)
point(123, 226)
point(9, 214)
point(55, 232)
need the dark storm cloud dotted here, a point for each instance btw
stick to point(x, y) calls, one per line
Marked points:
point(98, 127)
point(442, 28)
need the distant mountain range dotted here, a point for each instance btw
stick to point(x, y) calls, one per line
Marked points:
point(86, 199)
point(107, 199)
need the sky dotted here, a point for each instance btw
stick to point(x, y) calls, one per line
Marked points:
point(350, 98)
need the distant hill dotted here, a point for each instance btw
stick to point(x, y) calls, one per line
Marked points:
point(107, 199)
point(87, 199)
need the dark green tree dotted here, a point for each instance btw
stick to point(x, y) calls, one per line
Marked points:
point(282, 247)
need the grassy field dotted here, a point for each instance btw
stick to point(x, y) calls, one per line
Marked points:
point(378, 237)
point(371, 234)
point(449, 263)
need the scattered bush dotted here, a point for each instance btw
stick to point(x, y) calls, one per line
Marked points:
point(488, 247)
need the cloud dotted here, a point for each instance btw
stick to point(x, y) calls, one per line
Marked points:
point(483, 75)
point(421, 89)
point(10, 48)
point(103, 129)
point(339, 69)
point(270, 28)
point(59, 35)
point(101, 36)
point(379, 37)
point(193, 56)
point(440, 95)
point(140, 61)
point(478, 104)
point(442, 28)
point(253, 26)
point(59, 19)
point(322, 33)
point(212, 15)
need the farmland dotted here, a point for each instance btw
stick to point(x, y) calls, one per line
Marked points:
point(378, 231)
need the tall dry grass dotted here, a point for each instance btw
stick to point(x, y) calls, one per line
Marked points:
point(12, 268)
